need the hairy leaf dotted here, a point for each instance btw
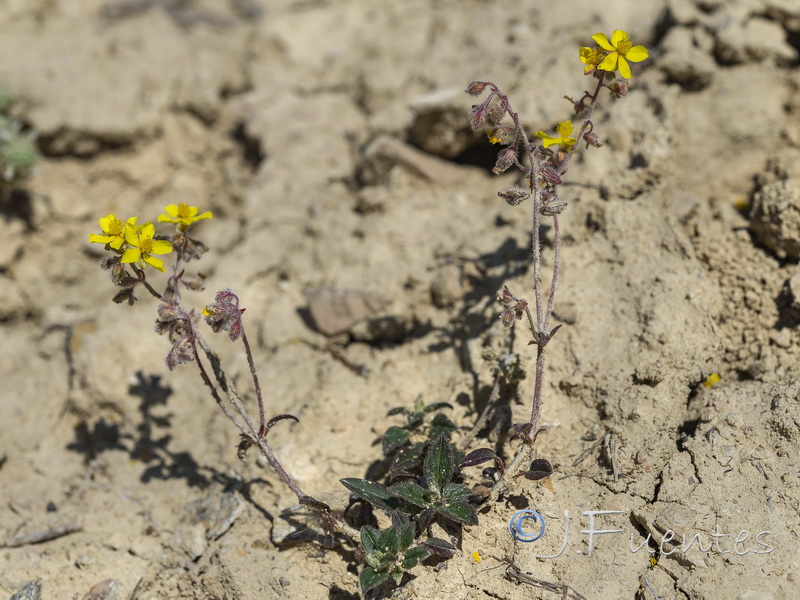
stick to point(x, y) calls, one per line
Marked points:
point(411, 493)
point(460, 512)
point(439, 463)
point(540, 468)
point(436, 406)
point(441, 424)
point(439, 547)
point(374, 493)
point(369, 538)
point(393, 439)
point(414, 556)
point(477, 457)
point(455, 492)
point(390, 540)
point(370, 578)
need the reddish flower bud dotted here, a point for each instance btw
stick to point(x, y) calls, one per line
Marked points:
point(477, 117)
point(505, 158)
point(550, 176)
point(591, 139)
point(505, 296)
point(618, 89)
point(476, 88)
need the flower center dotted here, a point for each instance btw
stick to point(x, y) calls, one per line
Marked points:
point(183, 211)
point(115, 227)
point(146, 246)
point(624, 47)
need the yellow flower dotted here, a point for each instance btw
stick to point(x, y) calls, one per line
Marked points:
point(143, 246)
point(564, 129)
point(711, 380)
point(476, 556)
point(114, 230)
point(182, 214)
point(591, 57)
point(620, 51)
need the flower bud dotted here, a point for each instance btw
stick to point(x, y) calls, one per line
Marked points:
point(551, 204)
point(514, 195)
point(550, 175)
point(505, 296)
point(505, 158)
point(618, 89)
point(477, 117)
point(494, 115)
point(591, 139)
point(476, 88)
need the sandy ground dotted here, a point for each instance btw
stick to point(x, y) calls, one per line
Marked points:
point(680, 260)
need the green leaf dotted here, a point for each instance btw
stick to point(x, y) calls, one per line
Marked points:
point(371, 579)
point(442, 424)
point(390, 540)
point(415, 418)
point(425, 517)
point(460, 512)
point(414, 556)
point(406, 534)
point(439, 463)
point(411, 493)
point(455, 492)
point(374, 493)
point(369, 538)
point(397, 410)
point(439, 547)
point(393, 439)
point(436, 406)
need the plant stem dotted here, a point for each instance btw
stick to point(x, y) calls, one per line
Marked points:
point(262, 422)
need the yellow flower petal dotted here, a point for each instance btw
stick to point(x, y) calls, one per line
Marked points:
point(132, 235)
point(156, 263)
point(100, 239)
point(148, 230)
point(609, 62)
point(618, 37)
point(131, 255)
point(637, 53)
point(602, 41)
point(624, 68)
point(108, 222)
point(172, 210)
point(205, 215)
point(161, 247)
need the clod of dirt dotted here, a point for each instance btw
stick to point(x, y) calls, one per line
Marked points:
point(335, 311)
point(775, 212)
point(447, 286)
point(108, 589)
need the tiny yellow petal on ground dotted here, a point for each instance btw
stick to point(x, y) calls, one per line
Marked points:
point(477, 556)
point(711, 380)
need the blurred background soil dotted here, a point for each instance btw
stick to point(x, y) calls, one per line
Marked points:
point(330, 140)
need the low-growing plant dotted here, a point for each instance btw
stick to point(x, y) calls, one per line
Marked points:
point(18, 153)
point(424, 498)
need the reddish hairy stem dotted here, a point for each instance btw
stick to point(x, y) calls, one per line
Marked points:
point(262, 425)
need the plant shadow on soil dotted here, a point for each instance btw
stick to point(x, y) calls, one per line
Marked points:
point(148, 445)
